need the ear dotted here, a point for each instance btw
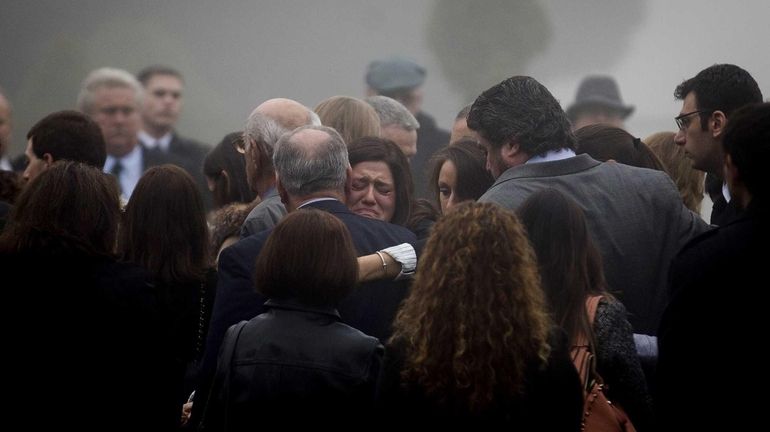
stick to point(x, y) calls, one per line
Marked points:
point(349, 182)
point(512, 154)
point(48, 159)
point(281, 191)
point(717, 123)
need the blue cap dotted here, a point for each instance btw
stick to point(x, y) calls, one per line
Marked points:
point(394, 73)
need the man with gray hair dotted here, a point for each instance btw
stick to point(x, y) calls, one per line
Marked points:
point(311, 165)
point(264, 127)
point(112, 98)
point(396, 123)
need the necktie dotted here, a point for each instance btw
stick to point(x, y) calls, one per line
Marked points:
point(115, 171)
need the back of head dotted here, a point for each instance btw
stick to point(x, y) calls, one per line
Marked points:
point(109, 78)
point(166, 200)
point(723, 87)
point(320, 273)
point(523, 111)
point(479, 269)
point(469, 159)
point(603, 142)
point(69, 135)
point(70, 205)
point(226, 167)
point(311, 159)
point(392, 112)
point(373, 149)
point(747, 142)
point(570, 264)
point(688, 180)
point(351, 117)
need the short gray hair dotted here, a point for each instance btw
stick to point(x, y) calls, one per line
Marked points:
point(393, 112)
point(303, 169)
point(106, 77)
point(264, 129)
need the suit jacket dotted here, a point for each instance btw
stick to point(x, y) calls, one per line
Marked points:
point(712, 334)
point(430, 139)
point(635, 216)
point(370, 308)
point(191, 153)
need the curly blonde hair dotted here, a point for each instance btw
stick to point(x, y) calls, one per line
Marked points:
point(476, 316)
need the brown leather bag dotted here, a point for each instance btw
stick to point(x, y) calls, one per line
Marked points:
point(599, 414)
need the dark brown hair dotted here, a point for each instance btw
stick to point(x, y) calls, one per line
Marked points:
point(69, 135)
point(164, 226)
point(604, 142)
point(499, 324)
point(569, 262)
point(374, 149)
point(69, 204)
point(233, 187)
point(309, 257)
point(470, 160)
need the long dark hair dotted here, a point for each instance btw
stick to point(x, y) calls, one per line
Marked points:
point(224, 157)
point(70, 205)
point(569, 262)
point(164, 226)
point(469, 159)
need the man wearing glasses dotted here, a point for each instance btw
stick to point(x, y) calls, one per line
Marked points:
point(707, 101)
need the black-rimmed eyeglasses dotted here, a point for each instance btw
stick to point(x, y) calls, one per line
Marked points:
point(683, 120)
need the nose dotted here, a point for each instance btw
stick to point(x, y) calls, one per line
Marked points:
point(679, 138)
point(369, 196)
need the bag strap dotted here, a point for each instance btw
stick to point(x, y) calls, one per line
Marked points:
point(582, 357)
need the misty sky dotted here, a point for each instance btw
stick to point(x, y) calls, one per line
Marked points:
point(235, 54)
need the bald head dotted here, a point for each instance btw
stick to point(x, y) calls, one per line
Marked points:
point(311, 160)
point(288, 113)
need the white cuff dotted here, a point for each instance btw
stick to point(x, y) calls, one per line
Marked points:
point(405, 255)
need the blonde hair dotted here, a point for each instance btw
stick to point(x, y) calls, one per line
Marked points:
point(351, 117)
point(688, 180)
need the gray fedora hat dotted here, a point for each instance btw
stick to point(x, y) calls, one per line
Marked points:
point(394, 73)
point(601, 91)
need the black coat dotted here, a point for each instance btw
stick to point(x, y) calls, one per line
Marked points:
point(371, 308)
point(712, 334)
point(299, 364)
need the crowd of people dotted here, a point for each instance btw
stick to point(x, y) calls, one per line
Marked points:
point(354, 262)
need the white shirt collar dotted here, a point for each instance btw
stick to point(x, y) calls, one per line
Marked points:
point(133, 167)
point(726, 192)
point(5, 164)
point(150, 142)
point(311, 201)
point(552, 155)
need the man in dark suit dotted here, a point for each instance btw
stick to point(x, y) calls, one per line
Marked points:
point(401, 79)
point(712, 333)
point(635, 215)
point(161, 107)
point(710, 98)
point(111, 98)
point(311, 166)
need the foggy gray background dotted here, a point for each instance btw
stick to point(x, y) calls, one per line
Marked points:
point(234, 54)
